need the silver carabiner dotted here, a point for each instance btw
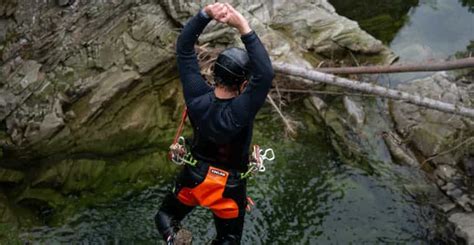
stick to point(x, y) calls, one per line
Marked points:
point(264, 155)
point(181, 141)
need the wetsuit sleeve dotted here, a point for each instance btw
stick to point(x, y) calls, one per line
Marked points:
point(193, 83)
point(245, 106)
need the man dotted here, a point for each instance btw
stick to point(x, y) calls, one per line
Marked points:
point(222, 120)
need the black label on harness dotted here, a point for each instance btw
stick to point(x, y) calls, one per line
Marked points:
point(217, 172)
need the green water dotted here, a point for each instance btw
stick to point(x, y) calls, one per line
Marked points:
point(308, 195)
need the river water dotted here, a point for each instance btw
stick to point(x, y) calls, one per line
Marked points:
point(308, 195)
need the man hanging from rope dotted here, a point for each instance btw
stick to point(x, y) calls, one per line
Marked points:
point(222, 120)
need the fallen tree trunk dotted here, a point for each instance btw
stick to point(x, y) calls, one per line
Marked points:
point(441, 66)
point(369, 88)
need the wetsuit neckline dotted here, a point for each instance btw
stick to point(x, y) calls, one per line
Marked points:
point(221, 99)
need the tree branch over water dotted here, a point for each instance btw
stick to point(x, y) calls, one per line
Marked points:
point(316, 76)
point(439, 66)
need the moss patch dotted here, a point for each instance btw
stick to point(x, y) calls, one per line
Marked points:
point(9, 234)
point(69, 185)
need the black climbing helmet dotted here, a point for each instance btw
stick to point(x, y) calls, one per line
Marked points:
point(232, 67)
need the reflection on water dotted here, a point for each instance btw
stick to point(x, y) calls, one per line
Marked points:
point(424, 30)
point(436, 30)
point(307, 196)
point(380, 18)
point(469, 4)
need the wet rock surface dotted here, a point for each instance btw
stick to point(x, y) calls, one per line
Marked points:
point(444, 142)
point(464, 226)
point(440, 143)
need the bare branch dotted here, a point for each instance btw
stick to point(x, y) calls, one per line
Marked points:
point(316, 76)
point(289, 124)
point(423, 67)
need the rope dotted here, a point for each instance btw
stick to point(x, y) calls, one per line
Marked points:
point(181, 125)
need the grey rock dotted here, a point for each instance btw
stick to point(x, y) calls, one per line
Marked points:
point(399, 152)
point(27, 74)
point(445, 172)
point(468, 163)
point(465, 202)
point(110, 83)
point(109, 54)
point(147, 56)
point(70, 115)
point(446, 207)
point(440, 182)
point(355, 111)
point(8, 103)
point(51, 124)
point(455, 193)
point(464, 223)
point(430, 131)
point(64, 3)
point(152, 25)
point(331, 34)
point(448, 187)
point(313, 25)
point(129, 42)
point(318, 103)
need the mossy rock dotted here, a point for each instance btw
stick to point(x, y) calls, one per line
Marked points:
point(9, 234)
point(10, 176)
point(69, 185)
point(41, 197)
point(84, 175)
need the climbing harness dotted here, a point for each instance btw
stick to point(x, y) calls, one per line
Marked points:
point(180, 154)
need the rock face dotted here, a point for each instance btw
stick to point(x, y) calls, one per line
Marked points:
point(332, 34)
point(446, 141)
point(360, 129)
point(432, 132)
point(89, 93)
point(443, 141)
point(464, 226)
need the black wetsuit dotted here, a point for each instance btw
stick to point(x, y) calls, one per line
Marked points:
point(222, 128)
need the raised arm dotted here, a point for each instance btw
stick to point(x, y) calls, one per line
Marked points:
point(193, 83)
point(245, 106)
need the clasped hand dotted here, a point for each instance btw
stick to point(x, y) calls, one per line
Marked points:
point(225, 13)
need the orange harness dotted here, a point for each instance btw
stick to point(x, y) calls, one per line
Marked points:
point(210, 194)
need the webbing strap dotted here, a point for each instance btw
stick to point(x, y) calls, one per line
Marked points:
point(181, 125)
